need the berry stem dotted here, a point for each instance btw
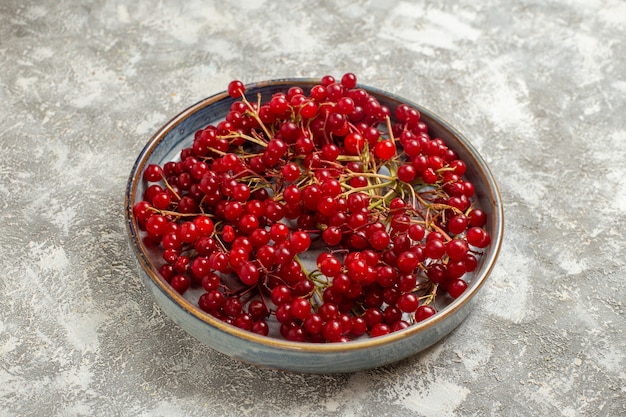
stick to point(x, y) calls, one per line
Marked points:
point(255, 114)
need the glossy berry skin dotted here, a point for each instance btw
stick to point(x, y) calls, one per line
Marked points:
point(235, 89)
point(423, 312)
point(408, 302)
point(456, 288)
point(385, 150)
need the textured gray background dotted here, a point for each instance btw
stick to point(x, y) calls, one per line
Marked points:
point(539, 87)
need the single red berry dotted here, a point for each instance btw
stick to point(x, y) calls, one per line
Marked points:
point(299, 241)
point(313, 324)
point(457, 224)
point(153, 173)
point(407, 173)
point(257, 309)
point(335, 91)
point(359, 326)
point(332, 235)
point(416, 232)
point(345, 105)
point(327, 205)
point(279, 232)
point(281, 294)
point(309, 109)
point(434, 248)
point(241, 192)
point(477, 218)
point(279, 105)
point(237, 256)
point(141, 210)
point(156, 224)
point(236, 89)
point(408, 302)
point(476, 237)
point(354, 143)
point(385, 150)
point(455, 269)
point(188, 232)
point(470, 262)
point(204, 224)
point(290, 172)
point(244, 321)
point(228, 233)
point(329, 265)
point(392, 314)
point(211, 301)
point(423, 312)
point(161, 200)
point(332, 330)
point(233, 307)
point(328, 311)
point(260, 327)
point(211, 281)
point(407, 262)
point(300, 308)
point(456, 249)
point(456, 287)
point(248, 223)
point(380, 240)
point(380, 329)
point(349, 80)
point(248, 273)
point(180, 283)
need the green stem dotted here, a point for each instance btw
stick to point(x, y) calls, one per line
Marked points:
point(366, 188)
point(255, 115)
point(246, 137)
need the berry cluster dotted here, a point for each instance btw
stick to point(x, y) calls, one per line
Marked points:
point(385, 205)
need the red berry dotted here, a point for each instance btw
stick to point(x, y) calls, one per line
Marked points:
point(155, 224)
point(141, 210)
point(457, 224)
point(180, 283)
point(300, 308)
point(477, 218)
point(248, 273)
point(434, 249)
point(204, 225)
point(260, 327)
point(349, 80)
point(211, 301)
point(313, 324)
point(385, 150)
point(456, 288)
point(332, 330)
point(408, 302)
point(299, 241)
point(332, 235)
point(380, 329)
point(407, 262)
point(407, 173)
point(478, 237)
point(188, 232)
point(281, 294)
point(354, 143)
point(228, 233)
point(423, 312)
point(236, 89)
point(456, 249)
point(153, 173)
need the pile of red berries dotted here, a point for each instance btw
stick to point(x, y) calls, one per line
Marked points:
point(329, 171)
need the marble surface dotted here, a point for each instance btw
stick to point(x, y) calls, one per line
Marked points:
point(539, 87)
